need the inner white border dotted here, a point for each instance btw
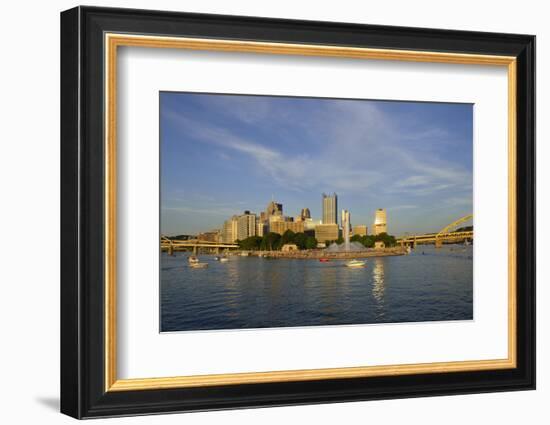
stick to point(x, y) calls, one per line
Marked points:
point(143, 352)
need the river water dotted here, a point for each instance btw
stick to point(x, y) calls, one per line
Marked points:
point(249, 292)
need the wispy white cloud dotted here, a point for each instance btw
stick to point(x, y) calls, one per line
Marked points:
point(356, 140)
point(296, 171)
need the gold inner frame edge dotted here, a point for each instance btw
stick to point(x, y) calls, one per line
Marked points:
point(113, 41)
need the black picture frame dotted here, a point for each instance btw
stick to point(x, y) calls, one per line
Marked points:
point(83, 392)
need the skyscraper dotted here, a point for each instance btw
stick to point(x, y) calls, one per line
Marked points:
point(305, 213)
point(229, 230)
point(330, 209)
point(246, 225)
point(273, 208)
point(380, 222)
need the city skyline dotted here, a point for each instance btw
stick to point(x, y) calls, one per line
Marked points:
point(247, 223)
point(224, 154)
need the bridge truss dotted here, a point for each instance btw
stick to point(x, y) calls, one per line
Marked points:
point(172, 245)
point(445, 235)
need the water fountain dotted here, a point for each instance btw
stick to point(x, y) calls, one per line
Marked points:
point(347, 246)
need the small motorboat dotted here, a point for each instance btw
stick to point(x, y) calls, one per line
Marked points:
point(355, 263)
point(324, 260)
point(217, 258)
point(224, 260)
point(198, 265)
point(193, 259)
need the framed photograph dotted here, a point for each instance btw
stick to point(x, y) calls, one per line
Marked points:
point(261, 212)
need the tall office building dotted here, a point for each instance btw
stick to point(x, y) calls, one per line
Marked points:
point(330, 209)
point(380, 222)
point(305, 214)
point(229, 231)
point(273, 208)
point(270, 223)
point(246, 225)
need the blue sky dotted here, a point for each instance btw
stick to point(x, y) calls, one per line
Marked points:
point(223, 154)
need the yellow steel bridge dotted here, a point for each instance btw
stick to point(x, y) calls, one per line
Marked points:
point(446, 235)
point(172, 245)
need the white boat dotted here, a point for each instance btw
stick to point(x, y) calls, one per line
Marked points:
point(193, 259)
point(224, 260)
point(355, 263)
point(198, 265)
point(217, 258)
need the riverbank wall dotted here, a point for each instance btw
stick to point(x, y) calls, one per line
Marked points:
point(316, 254)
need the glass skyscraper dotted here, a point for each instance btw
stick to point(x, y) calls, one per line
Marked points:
point(330, 209)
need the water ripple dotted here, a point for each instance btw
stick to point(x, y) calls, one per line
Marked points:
point(428, 285)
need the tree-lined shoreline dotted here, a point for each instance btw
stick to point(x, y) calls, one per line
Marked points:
point(274, 242)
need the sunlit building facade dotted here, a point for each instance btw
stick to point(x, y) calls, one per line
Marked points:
point(213, 236)
point(229, 230)
point(246, 225)
point(380, 222)
point(360, 230)
point(326, 232)
point(282, 226)
point(260, 227)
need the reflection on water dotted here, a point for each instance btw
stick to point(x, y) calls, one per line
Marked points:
point(378, 286)
point(250, 292)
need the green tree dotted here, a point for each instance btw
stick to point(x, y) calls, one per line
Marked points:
point(300, 240)
point(270, 241)
point(288, 236)
point(250, 243)
point(367, 241)
point(311, 242)
point(388, 240)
